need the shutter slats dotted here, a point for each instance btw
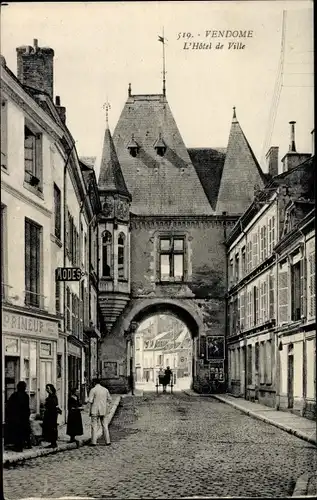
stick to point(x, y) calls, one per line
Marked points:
point(283, 297)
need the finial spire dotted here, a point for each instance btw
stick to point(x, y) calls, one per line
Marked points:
point(129, 90)
point(162, 39)
point(234, 113)
point(107, 106)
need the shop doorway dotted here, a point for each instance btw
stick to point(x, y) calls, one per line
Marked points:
point(290, 381)
point(12, 375)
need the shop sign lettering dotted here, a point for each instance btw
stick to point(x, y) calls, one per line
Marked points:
point(17, 323)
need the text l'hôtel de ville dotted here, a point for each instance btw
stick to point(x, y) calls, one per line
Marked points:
point(230, 39)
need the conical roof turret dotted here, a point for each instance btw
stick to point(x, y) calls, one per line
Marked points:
point(241, 172)
point(110, 176)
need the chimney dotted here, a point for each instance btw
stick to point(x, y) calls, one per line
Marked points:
point(292, 146)
point(313, 141)
point(61, 110)
point(35, 67)
point(292, 159)
point(272, 160)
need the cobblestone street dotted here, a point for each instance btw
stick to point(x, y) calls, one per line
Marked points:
point(172, 446)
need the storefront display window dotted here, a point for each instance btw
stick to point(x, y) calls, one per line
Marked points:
point(12, 346)
point(46, 349)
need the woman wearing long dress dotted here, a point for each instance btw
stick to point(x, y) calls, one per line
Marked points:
point(74, 420)
point(51, 413)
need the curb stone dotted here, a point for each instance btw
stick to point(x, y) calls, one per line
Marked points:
point(301, 486)
point(62, 446)
point(283, 427)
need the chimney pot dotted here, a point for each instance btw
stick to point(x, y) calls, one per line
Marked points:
point(292, 146)
point(35, 44)
point(57, 100)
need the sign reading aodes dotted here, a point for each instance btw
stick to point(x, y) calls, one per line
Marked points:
point(68, 274)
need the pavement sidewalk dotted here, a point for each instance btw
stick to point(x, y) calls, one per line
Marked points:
point(10, 457)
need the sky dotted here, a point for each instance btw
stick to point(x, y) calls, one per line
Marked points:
point(101, 47)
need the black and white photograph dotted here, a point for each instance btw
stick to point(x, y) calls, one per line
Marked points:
point(158, 250)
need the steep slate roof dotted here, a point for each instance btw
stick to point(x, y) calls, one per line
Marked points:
point(209, 166)
point(241, 172)
point(110, 175)
point(167, 185)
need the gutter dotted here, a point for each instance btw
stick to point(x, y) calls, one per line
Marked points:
point(64, 262)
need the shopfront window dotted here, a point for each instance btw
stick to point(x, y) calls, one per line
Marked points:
point(46, 349)
point(12, 346)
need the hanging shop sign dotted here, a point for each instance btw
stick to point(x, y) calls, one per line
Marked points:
point(68, 274)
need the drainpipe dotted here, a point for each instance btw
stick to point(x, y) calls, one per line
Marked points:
point(64, 265)
point(226, 307)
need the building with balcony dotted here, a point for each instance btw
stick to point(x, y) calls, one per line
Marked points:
point(271, 290)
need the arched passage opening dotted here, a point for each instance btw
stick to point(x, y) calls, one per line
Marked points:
point(162, 336)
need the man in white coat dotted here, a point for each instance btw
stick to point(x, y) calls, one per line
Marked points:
point(99, 397)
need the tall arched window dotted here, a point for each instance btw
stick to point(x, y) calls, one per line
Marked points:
point(106, 254)
point(121, 256)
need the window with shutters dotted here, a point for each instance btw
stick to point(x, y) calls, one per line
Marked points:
point(68, 310)
point(4, 133)
point(73, 313)
point(261, 244)
point(231, 278)
point(311, 286)
point(265, 311)
point(283, 293)
point(264, 242)
point(171, 258)
point(33, 264)
point(255, 305)
point(255, 249)
point(272, 233)
point(236, 279)
point(243, 268)
point(250, 309)
point(250, 256)
point(242, 310)
point(33, 161)
point(271, 297)
point(57, 212)
point(235, 315)
point(296, 291)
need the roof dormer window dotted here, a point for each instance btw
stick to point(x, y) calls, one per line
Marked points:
point(160, 146)
point(133, 147)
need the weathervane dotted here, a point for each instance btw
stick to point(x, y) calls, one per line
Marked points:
point(107, 106)
point(163, 40)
